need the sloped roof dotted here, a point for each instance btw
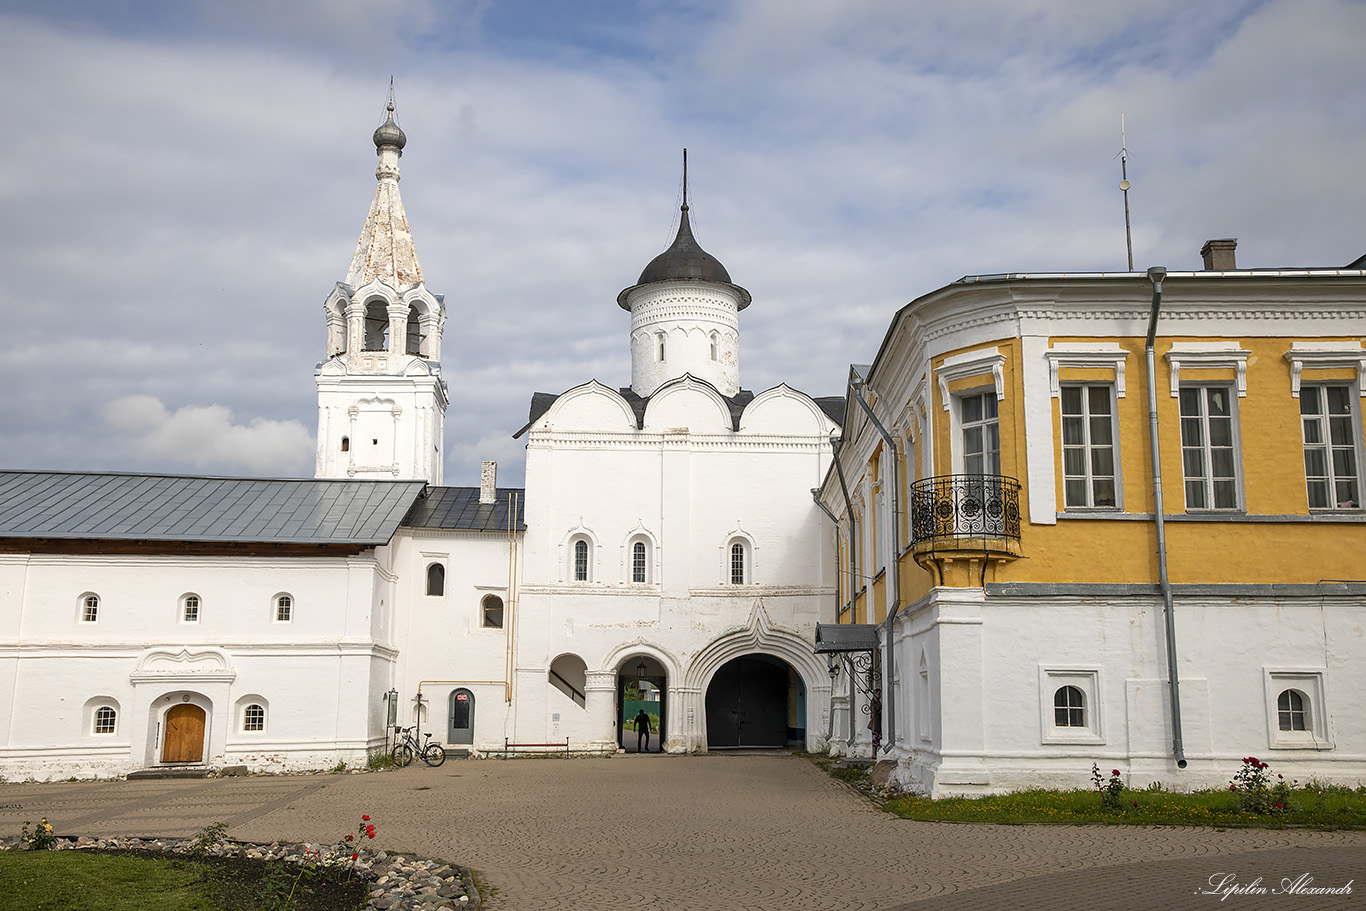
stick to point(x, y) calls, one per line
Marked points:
point(147, 507)
point(459, 508)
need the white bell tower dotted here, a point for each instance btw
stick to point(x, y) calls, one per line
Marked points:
point(381, 399)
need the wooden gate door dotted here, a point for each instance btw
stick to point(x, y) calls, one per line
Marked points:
point(184, 740)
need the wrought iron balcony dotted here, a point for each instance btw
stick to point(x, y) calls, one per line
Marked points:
point(966, 512)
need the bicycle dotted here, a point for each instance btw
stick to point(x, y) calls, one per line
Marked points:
point(431, 753)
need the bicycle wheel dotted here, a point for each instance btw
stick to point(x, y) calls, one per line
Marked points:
point(403, 755)
point(434, 755)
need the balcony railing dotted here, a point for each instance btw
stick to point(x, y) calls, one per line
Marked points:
point(966, 512)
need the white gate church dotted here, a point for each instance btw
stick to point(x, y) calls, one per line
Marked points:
point(666, 542)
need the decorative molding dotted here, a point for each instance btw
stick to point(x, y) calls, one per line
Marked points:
point(1103, 355)
point(1325, 354)
point(972, 363)
point(202, 665)
point(1208, 354)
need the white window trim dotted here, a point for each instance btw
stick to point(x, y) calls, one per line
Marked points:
point(1357, 445)
point(275, 607)
point(972, 363)
point(742, 538)
point(1310, 682)
point(1217, 355)
point(81, 607)
point(1327, 355)
point(184, 605)
point(957, 453)
point(1086, 679)
point(265, 718)
point(1092, 355)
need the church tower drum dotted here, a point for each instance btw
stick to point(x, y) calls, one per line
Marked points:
point(684, 315)
point(381, 399)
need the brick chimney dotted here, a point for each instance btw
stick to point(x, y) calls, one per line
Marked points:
point(488, 483)
point(1218, 254)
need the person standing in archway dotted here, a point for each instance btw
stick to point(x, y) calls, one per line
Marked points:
point(642, 731)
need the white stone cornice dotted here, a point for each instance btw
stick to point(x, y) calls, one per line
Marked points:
point(1210, 354)
point(972, 363)
point(1325, 355)
point(1103, 355)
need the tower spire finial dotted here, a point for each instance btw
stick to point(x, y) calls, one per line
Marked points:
point(685, 180)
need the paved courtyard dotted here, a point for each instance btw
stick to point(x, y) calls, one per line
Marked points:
point(755, 832)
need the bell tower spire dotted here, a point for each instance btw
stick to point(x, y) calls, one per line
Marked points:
point(381, 399)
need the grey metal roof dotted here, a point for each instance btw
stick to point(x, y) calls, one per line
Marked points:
point(145, 507)
point(459, 508)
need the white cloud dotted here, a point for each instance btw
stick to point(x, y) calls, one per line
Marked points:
point(205, 437)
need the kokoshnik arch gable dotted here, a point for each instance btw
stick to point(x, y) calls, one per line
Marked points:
point(667, 546)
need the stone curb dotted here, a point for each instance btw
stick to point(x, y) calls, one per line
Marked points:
point(394, 882)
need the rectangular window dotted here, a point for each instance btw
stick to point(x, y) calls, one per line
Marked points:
point(981, 435)
point(1329, 422)
point(1088, 446)
point(1209, 456)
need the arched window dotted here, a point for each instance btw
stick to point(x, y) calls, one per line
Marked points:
point(376, 326)
point(90, 608)
point(189, 609)
point(254, 718)
point(739, 568)
point(715, 346)
point(346, 444)
point(492, 609)
point(1292, 711)
point(413, 341)
point(284, 609)
point(1069, 707)
point(436, 579)
point(638, 553)
point(581, 560)
point(659, 338)
point(106, 720)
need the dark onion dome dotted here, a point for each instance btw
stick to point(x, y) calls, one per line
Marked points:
point(685, 260)
point(388, 133)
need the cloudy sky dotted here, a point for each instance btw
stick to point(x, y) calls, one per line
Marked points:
point(183, 182)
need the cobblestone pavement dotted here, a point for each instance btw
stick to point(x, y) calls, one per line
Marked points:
point(763, 832)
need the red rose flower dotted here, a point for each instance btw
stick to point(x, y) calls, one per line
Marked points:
point(365, 818)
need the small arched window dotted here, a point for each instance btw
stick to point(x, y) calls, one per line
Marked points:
point(1292, 711)
point(106, 720)
point(284, 609)
point(90, 608)
point(580, 560)
point(715, 346)
point(492, 609)
point(1069, 707)
point(660, 340)
point(189, 609)
point(638, 552)
point(739, 570)
point(254, 718)
point(346, 444)
point(436, 580)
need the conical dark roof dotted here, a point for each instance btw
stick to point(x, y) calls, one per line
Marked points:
point(684, 259)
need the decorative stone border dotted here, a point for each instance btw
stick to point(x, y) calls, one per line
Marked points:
point(396, 882)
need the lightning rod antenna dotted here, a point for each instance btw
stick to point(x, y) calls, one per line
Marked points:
point(685, 180)
point(1124, 186)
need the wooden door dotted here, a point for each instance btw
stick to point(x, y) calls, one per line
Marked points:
point(184, 740)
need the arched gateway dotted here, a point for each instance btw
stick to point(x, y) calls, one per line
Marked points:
point(756, 701)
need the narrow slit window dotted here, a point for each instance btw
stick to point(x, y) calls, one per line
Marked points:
point(737, 564)
point(638, 562)
point(580, 560)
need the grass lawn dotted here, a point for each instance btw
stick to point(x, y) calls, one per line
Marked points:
point(1313, 805)
point(98, 881)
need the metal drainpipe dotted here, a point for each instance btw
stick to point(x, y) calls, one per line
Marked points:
point(836, 443)
point(1155, 275)
point(816, 496)
point(893, 576)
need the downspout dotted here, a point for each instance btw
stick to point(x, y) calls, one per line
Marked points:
point(835, 444)
point(816, 496)
point(1155, 275)
point(893, 576)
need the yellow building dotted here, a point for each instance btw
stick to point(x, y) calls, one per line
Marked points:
point(997, 463)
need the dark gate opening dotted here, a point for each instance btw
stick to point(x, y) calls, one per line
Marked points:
point(756, 702)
